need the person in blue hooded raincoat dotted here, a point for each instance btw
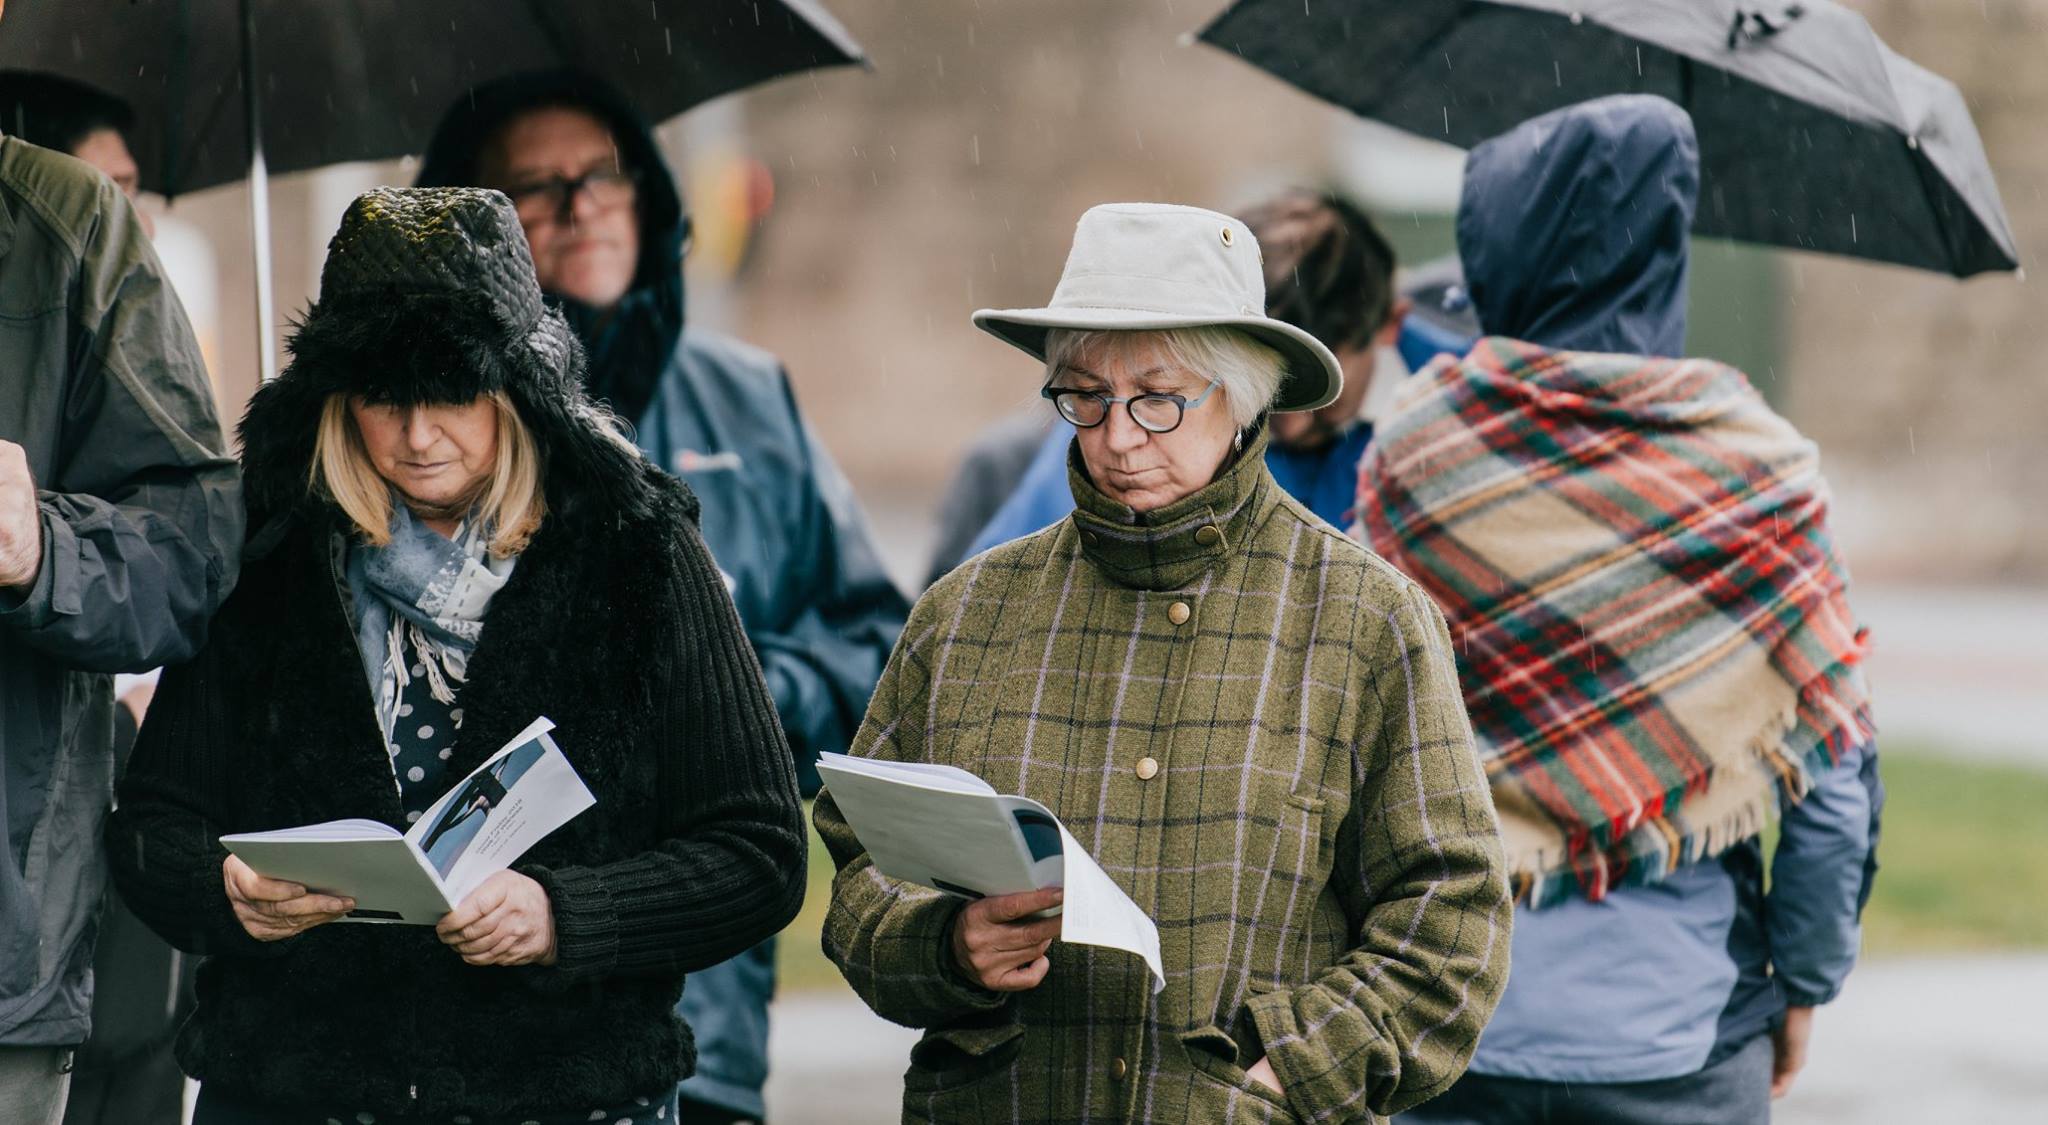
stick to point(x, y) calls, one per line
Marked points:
point(608, 232)
point(1689, 999)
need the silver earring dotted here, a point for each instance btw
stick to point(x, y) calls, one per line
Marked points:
point(1237, 441)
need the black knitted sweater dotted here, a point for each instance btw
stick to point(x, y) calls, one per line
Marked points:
point(615, 625)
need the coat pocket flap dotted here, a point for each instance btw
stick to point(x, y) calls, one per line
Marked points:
point(1211, 1040)
point(953, 1048)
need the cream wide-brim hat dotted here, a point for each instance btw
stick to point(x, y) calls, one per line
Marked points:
point(1137, 266)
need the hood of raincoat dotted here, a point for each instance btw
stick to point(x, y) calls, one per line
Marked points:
point(627, 346)
point(1573, 227)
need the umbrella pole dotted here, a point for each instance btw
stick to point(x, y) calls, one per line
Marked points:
point(259, 197)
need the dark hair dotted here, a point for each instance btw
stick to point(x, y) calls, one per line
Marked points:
point(55, 112)
point(1328, 270)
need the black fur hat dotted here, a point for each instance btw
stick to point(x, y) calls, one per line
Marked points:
point(428, 296)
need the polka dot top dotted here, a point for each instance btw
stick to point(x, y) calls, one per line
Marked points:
point(422, 742)
point(420, 748)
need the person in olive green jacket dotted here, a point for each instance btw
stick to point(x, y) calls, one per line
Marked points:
point(120, 534)
point(1251, 722)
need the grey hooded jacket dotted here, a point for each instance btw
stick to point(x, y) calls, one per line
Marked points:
point(103, 386)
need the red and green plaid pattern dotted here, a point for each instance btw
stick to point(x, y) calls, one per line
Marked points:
point(1650, 620)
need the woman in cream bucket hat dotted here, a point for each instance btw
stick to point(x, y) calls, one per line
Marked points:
point(1176, 297)
point(1250, 721)
point(1153, 266)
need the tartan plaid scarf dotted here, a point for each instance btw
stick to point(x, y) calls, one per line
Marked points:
point(1651, 622)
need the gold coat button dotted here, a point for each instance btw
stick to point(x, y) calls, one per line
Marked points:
point(1208, 536)
point(1119, 1069)
point(1178, 613)
point(1148, 768)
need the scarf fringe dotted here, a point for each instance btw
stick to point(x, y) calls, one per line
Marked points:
point(437, 662)
point(1657, 848)
point(440, 664)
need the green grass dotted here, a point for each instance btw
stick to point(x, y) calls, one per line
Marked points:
point(800, 962)
point(1963, 867)
point(1963, 861)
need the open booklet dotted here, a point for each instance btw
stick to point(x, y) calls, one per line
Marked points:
point(477, 829)
point(942, 827)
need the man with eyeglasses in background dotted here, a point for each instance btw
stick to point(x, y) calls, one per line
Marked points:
point(608, 232)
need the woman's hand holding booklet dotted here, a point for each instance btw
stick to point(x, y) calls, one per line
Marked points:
point(377, 874)
point(941, 827)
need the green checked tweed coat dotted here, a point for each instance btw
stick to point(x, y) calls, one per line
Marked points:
point(1256, 727)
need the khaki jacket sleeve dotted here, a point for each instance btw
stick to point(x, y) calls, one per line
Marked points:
point(892, 939)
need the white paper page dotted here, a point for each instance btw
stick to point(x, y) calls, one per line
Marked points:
point(1098, 912)
point(328, 830)
point(419, 831)
point(384, 875)
point(489, 819)
point(962, 842)
point(929, 775)
point(972, 842)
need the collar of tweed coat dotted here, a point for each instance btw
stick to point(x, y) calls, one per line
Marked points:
point(1170, 547)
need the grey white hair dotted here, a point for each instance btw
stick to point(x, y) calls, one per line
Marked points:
point(1248, 371)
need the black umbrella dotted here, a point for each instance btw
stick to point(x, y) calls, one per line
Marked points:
point(342, 80)
point(1813, 134)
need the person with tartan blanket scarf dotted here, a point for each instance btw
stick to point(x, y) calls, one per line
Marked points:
point(1657, 651)
point(1251, 723)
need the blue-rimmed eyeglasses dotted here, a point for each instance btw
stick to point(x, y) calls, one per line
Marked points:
point(1158, 413)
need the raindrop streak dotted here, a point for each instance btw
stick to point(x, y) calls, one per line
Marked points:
point(1911, 446)
point(974, 147)
point(1557, 72)
point(1852, 226)
point(1447, 121)
point(1639, 62)
point(668, 41)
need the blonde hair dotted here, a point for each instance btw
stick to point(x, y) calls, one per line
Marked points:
point(513, 502)
point(1248, 371)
